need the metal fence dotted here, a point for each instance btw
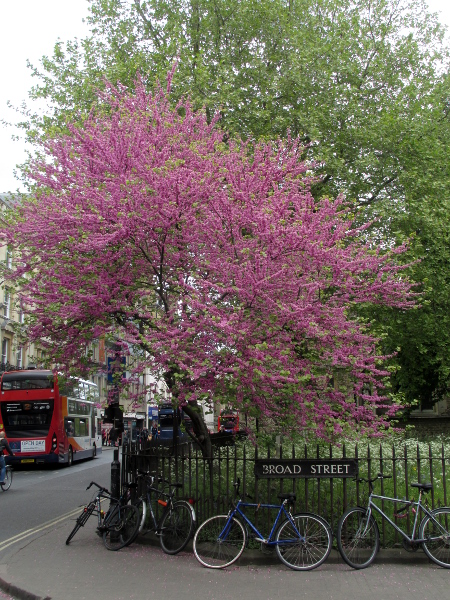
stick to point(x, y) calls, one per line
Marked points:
point(210, 483)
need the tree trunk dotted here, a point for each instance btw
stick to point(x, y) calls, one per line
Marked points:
point(200, 432)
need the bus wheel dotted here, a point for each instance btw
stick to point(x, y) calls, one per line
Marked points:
point(70, 457)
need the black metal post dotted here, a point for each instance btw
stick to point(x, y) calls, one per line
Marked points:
point(115, 475)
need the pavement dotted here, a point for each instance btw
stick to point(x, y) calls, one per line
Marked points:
point(45, 568)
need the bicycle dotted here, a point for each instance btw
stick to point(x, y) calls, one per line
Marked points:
point(302, 541)
point(8, 479)
point(177, 522)
point(118, 527)
point(358, 537)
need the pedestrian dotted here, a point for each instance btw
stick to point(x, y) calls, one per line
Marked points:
point(154, 429)
point(3, 446)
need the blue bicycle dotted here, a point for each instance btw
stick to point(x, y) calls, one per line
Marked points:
point(302, 541)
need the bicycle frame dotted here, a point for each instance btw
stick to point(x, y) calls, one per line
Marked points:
point(372, 507)
point(169, 502)
point(150, 507)
point(98, 509)
point(102, 516)
point(259, 536)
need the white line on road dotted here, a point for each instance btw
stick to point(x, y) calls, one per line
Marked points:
point(21, 536)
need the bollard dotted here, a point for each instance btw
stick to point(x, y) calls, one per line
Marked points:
point(115, 475)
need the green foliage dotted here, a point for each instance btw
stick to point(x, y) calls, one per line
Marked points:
point(364, 82)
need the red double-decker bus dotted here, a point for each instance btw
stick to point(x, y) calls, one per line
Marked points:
point(228, 421)
point(46, 424)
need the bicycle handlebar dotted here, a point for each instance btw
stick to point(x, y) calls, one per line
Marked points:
point(154, 476)
point(379, 476)
point(236, 486)
point(102, 489)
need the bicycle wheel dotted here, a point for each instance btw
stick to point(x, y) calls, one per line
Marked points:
point(436, 531)
point(141, 505)
point(81, 521)
point(358, 540)
point(219, 542)
point(8, 479)
point(311, 549)
point(176, 528)
point(121, 527)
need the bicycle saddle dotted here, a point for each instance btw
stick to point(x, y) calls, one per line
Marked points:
point(426, 487)
point(290, 496)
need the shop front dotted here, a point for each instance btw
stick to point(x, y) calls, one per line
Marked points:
point(133, 423)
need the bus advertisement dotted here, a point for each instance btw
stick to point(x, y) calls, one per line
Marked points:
point(45, 424)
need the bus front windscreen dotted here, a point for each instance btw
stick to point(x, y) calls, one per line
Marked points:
point(37, 380)
point(28, 418)
point(166, 421)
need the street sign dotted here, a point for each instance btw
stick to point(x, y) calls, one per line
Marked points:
point(116, 366)
point(291, 468)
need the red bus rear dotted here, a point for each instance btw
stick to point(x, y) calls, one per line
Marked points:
point(228, 421)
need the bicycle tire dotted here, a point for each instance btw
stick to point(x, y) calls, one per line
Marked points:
point(309, 553)
point(121, 528)
point(81, 521)
point(176, 528)
point(8, 479)
point(358, 543)
point(216, 553)
point(438, 548)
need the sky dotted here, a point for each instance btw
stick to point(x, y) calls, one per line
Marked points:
point(28, 31)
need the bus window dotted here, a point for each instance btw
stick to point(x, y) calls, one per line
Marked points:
point(80, 391)
point(21, 381)
point(81, 427)
point(27, 419)
point(69, 427)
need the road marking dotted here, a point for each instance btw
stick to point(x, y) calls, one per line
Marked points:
point(21, 536)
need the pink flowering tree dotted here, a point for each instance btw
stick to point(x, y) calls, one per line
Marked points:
point(210, 259)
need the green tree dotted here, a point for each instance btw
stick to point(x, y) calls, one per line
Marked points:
point(363, 82)
point(357, 79)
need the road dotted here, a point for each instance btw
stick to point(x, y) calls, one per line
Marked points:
point(38, 496)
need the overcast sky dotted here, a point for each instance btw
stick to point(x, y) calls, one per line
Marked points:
point(28, 30)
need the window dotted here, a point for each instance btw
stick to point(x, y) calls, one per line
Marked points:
point(6, 304)
point(5, 348)
point(77, 407)
point(26, 381)
point(27, 419)
point(19, 358)
point(81, 427)
point(8, 258)
point(21, 313)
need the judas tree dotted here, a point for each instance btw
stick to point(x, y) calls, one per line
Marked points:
point(210, 258)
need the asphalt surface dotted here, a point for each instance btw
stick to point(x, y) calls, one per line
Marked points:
point(38, 565)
